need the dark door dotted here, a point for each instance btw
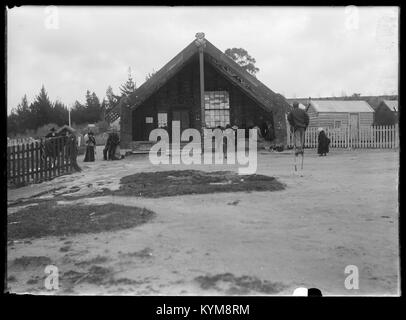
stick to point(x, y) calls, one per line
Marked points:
point(148, 126)
point(183, 117)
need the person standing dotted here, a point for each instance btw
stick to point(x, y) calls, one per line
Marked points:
point(323, 143)
point(106, 150)
point(298, 120)
point(114, 142)
point(90, 148)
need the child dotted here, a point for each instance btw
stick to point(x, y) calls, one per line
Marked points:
point(324, 143)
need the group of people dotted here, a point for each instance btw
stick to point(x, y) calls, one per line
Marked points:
point(299, 121)
point(297, 118)
point(111, 149)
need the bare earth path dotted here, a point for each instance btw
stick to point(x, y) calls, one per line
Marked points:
point(344, 211)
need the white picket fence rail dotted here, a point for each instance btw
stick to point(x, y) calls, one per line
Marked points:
point(374, 137)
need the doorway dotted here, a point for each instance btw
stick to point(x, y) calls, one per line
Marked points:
point(183, 117)
point(354, 126)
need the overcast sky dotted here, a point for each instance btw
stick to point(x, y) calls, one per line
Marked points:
point(300, 52)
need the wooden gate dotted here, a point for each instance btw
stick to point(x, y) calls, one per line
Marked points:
point(41, 160)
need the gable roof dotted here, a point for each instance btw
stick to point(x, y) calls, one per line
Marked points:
point(392, 104)
point(341, 106)
point(66, 127)
point(221, 62)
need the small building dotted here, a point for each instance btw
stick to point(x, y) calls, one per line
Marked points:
point(65, 129)
point(202, 88)
point(386, 114)
point(340, 114)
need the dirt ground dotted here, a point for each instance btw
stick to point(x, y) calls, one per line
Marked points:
point(343, 211)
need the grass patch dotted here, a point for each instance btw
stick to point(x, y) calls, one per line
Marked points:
point(50, 219)
point(31, 262)
point(239, 285)
point(144, 253)
point(95, 260)
point(180, 182)
point(12, 278)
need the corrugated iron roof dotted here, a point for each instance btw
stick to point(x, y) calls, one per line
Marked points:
point(392, 104)
point(341, 106)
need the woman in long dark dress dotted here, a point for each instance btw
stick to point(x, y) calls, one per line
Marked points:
point(90, 145)
point(324, 142)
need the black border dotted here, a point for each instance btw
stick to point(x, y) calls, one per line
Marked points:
point(260, 307)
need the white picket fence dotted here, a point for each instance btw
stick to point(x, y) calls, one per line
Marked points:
point(374, 137)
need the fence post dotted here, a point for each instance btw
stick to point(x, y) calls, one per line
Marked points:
point(32, 155)
point(37, 160)
point(396, 135)
point(375, 137)
point(41, 162)
point(18, 164)
point(23, 163)
point(8, 163)
point(46, 160)
point(63, 154)
point(60, 145)
point(387, 137)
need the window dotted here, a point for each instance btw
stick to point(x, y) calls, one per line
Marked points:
point(337, 124)
point(149, 120)
point(217, 108)
point(162, 119)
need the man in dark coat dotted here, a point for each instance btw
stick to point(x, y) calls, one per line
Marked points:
point(299, 121)
point(324, 142)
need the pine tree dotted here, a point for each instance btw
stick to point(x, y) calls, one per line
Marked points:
point(41, 109)
point(60, 114)
point(20, 118)
point(129, 86)
point(77, 113)
point(111, 99)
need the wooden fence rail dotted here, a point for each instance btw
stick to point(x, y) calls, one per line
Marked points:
point(40, 160)
point(19, 141)
point(377, 137)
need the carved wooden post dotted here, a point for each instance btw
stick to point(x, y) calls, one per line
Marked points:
point(201, 43)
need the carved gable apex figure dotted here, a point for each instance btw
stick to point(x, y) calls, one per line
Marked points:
point(200, 40)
